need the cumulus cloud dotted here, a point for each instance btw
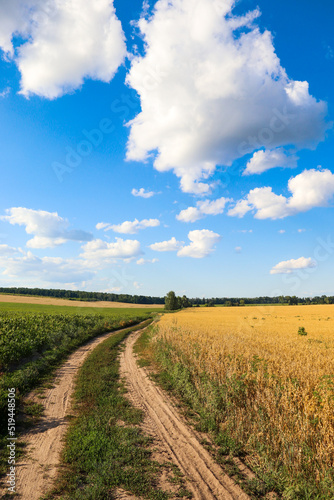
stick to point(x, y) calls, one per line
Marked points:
point(7, 250)
point(142, 261)
point(203, 208)
point(171, 245)
point(65, 43)
point(100, 251)
point(128, 227)
point(310, 189)
point(292, 265)
point(238, 249)
point(46, 269)
point(202, 242)
point(142, 193)
point(212, 89)
point(265, 160)
point(48, 228)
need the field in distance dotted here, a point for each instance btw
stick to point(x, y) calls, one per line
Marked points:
point(22, 299)
point(265, 377)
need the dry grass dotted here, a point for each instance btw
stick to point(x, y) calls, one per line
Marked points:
point(21, 299)
point(277, 387)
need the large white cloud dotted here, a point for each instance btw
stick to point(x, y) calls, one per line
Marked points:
point(203, 208)
point(100, 252)
point(46, 269)
point(202, 243)
point(212, 89)
point(265, 160)
point(48, 228)
point(67, 41)
point(310, 189)
point(292, 265)
point(128, 227)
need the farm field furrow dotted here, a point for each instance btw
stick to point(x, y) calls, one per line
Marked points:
point(265, 375)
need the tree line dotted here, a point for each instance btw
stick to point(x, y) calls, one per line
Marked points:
point(177, 302)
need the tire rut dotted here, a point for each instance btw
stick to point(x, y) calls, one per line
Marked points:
point(173, 438)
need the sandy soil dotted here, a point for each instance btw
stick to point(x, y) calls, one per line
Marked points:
point(74, 303)
point(35, 474)
point(174, 440)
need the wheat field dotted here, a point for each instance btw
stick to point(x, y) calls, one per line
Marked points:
point(274, 387)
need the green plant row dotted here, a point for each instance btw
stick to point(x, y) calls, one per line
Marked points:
point(37, 343)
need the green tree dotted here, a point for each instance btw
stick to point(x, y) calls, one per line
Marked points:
point(171, 301)
point(186, 302)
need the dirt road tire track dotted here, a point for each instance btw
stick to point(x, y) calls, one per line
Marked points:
point(36, 472)
point(205, 478)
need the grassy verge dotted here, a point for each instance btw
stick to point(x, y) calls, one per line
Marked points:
point(201, 402)
point(31, 372)
point(105, 449)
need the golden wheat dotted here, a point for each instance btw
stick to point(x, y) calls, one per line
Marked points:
point(281, 383)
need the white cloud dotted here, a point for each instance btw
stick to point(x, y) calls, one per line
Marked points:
point(210, 94)
point(101, 252)
point(48, 228)
point(7, 250)
point(301, 230)
point(171, 245)
point(203, 208)
point(129, 227)
point(310, 189)
point(66, 42)
point(202, 243)
point(238, 249)
point(46, 269)
point(142, 261)
point(265, 160)
point(289, 266)
point(137, 285)
point(240, 209)
point(281, 231)
point(142, 193)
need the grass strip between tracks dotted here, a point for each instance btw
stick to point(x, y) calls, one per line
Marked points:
point(104, 447)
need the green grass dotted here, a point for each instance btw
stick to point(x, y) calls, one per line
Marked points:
point(104, 448)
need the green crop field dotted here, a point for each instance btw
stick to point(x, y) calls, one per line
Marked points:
point(35, 339)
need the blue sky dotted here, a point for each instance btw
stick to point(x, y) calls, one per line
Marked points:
point(180, 145)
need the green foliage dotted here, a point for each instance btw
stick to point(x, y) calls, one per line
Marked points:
point(31, 345)
point(173, 303)
point(302, 331)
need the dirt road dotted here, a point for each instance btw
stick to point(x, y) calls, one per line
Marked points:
point(172, 437)
point(34, 475)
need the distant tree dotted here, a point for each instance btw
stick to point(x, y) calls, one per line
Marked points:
point(185, 302)
point(293, 301)
point(241, 302)
point(171, 301)
point(228, 303)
